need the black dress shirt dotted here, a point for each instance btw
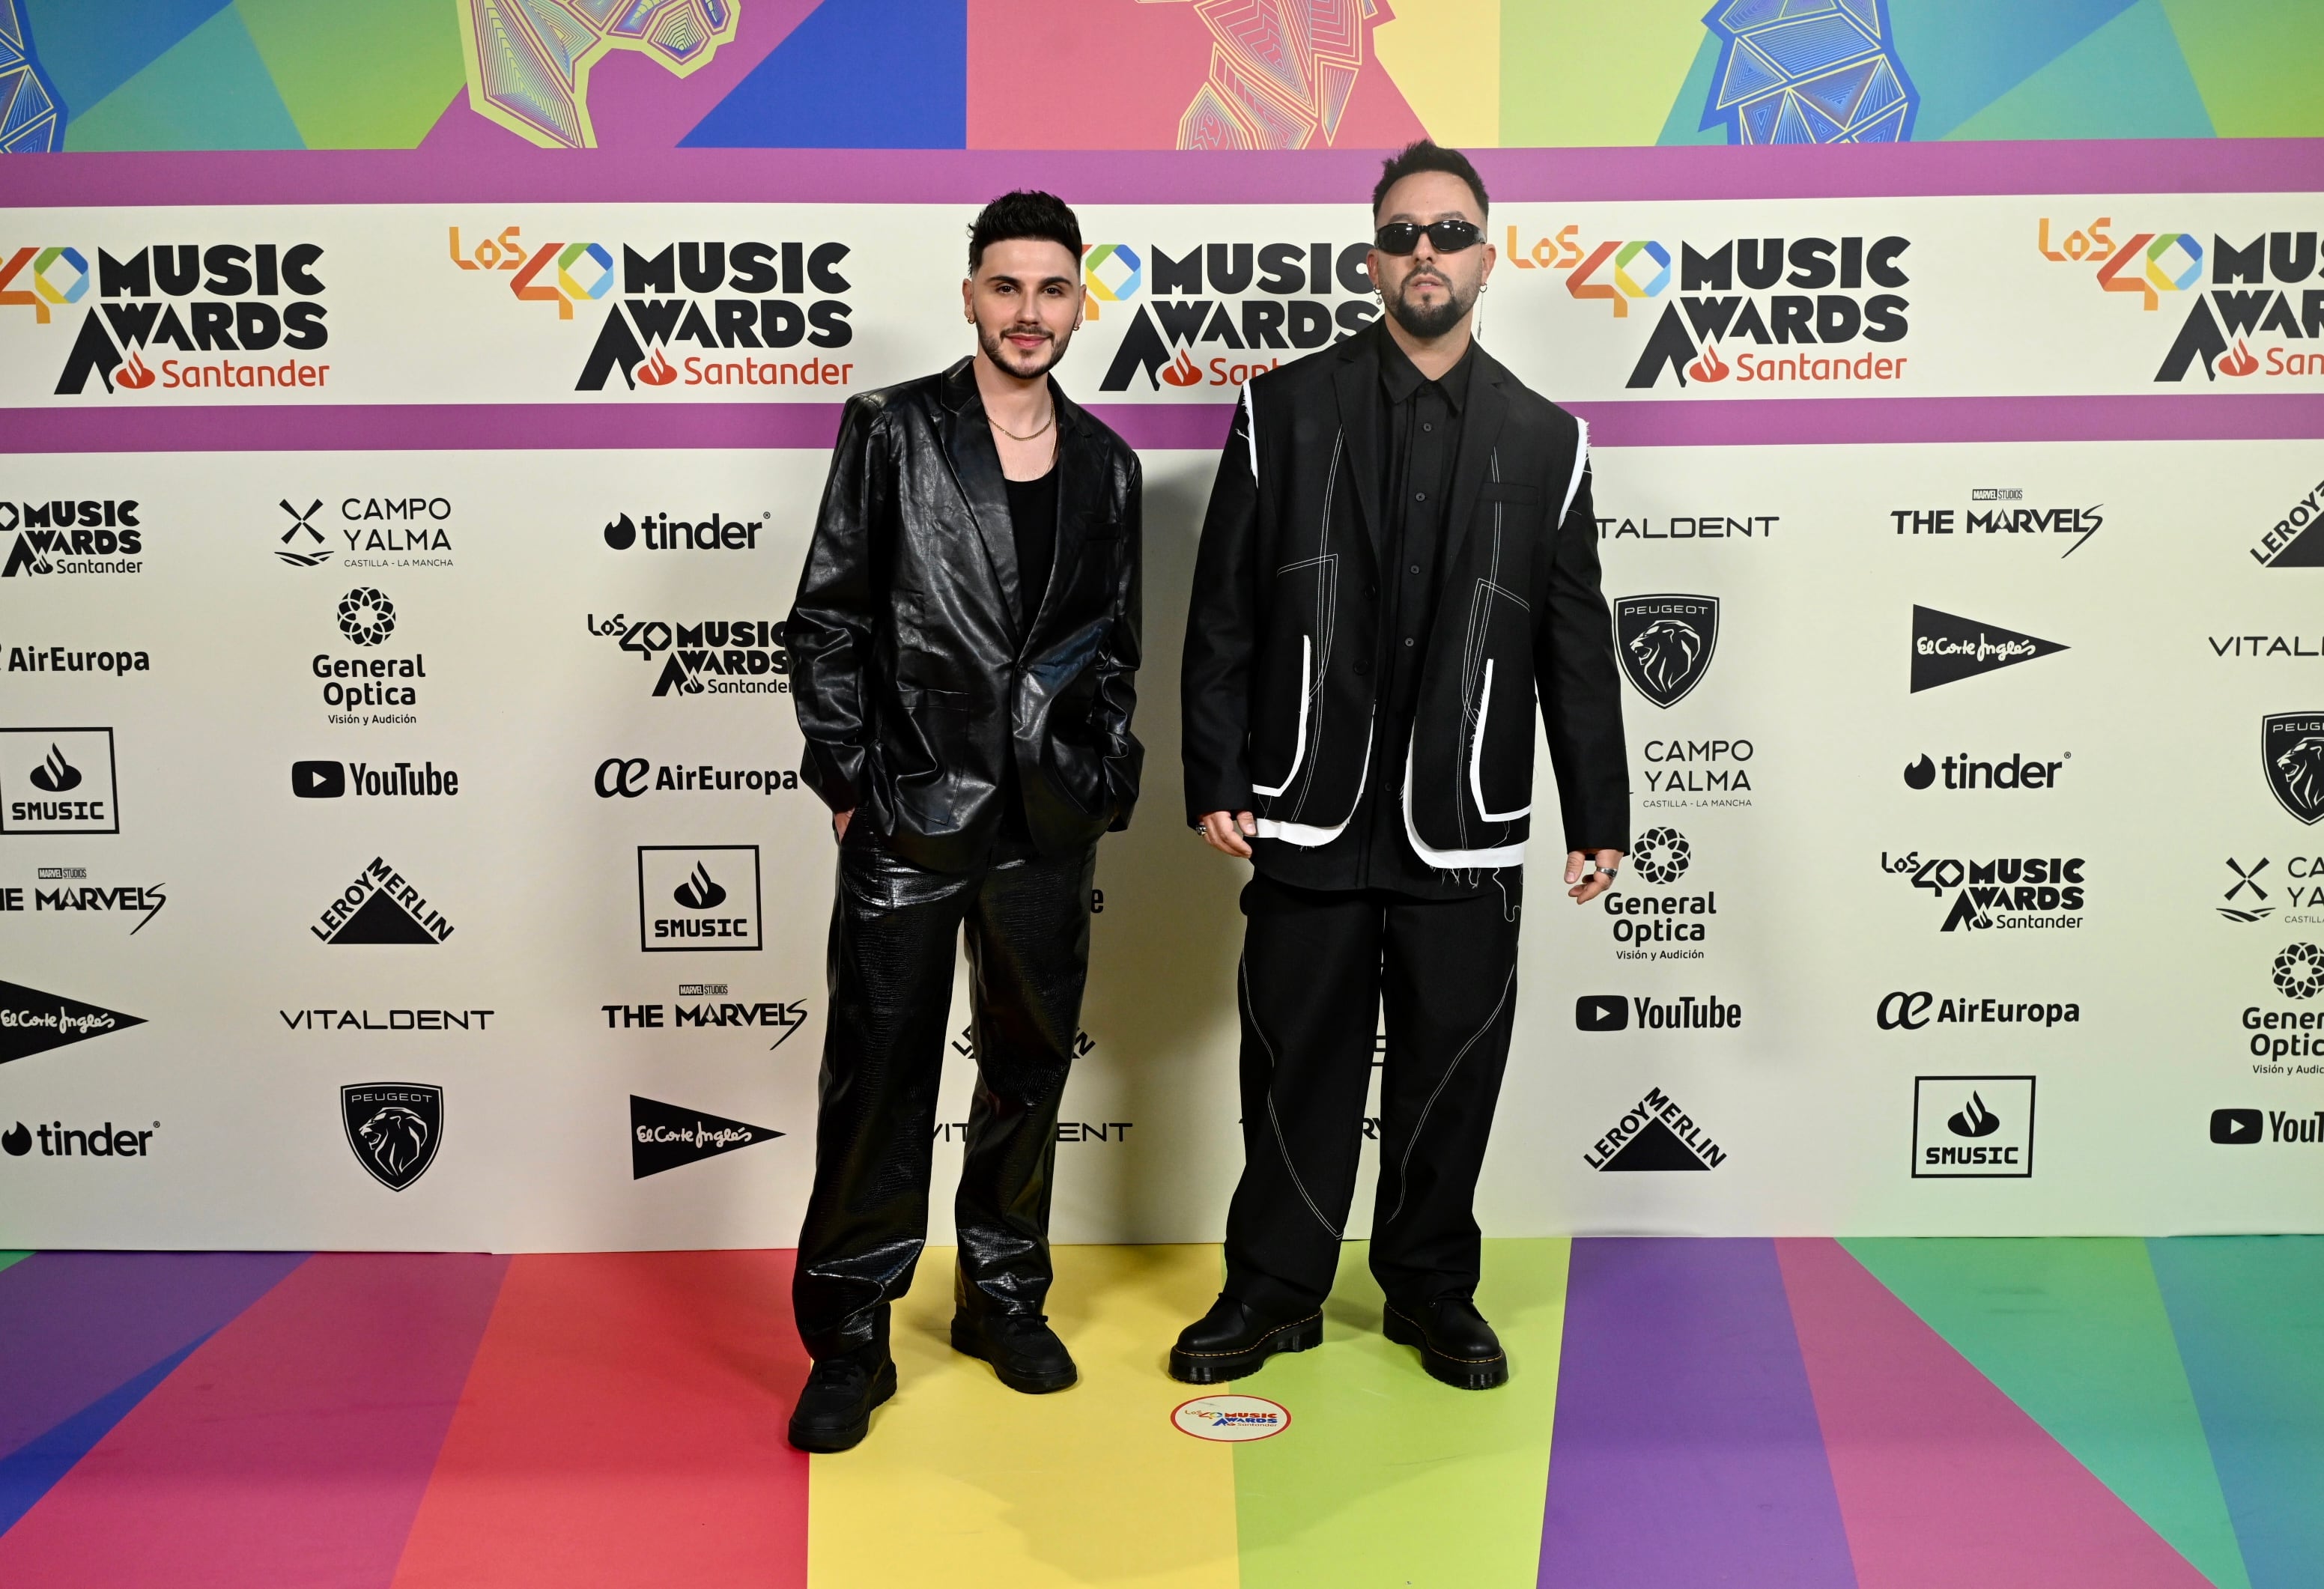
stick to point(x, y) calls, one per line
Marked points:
point(1420, 436)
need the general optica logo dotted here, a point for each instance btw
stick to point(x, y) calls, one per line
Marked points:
point(734, 302)
point(2263, 294)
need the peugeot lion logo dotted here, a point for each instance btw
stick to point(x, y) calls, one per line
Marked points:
point(1666, 643)
point(394, 1129)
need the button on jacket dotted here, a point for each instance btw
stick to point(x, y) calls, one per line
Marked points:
point(1282, 686)
point(916, 681)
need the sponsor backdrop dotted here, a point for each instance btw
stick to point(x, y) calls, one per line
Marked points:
point(401, 839)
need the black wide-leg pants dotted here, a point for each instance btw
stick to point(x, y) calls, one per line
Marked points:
point(893, 928)
point(1316, 970)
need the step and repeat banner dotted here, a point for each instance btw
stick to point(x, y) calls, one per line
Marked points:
point(402, 847)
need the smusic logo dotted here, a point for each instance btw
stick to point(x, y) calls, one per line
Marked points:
point(715, 887)
point(394, 1129)
point(379, 907)
point(1666, 643)
point(1947, 649)
point(33, 1021)
point(1656, 1134)
point(662, 1136)
point(2291, 749)
point(58, 781)
point(1970, 1126)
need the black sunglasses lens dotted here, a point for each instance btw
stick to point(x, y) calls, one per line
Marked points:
point(1401, 237)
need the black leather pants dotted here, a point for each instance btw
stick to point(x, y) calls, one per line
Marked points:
point(893, 926)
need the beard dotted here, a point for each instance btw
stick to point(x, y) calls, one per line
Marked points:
point(1430, 321)
point(1005, 357)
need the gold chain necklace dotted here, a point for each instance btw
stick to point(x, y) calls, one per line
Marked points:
point(1029, 436)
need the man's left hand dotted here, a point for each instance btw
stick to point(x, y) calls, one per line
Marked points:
point(1594, 874)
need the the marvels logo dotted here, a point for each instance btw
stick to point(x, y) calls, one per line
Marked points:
point(2035, 892)
point(1197, 298)
point(1947, 649)
point(631, 777)
point(1610, 1012)
point(58, 781)
point(236, 297)
point(716, 657)
point(662, 1136)
point(66, 890)
point(2291, 749)
point(767, 1015)
point(394, 1129)
point(1959, 772)
point(1717, 771)
point(367, 619)
point(379, 907)
point(1646, 925)
point(2241, 1129)
point(1912, 1011)
point(2296, 540)
point(1808, 292)
point(59, 1141)
point(2250, 296)
point(662, 533)
point(1972, 1126)
point(33, 1021)
point(1656, 1134)
point(93, 535)
point(715, 887)
point(332, 780)
point(729, 299)
point(380, 532)
point(2298, 972)
point(1666, 643)
point(2026, 523)
point(2251, 895)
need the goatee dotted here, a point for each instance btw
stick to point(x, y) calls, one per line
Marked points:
point(1430, 321)
point(999, 351)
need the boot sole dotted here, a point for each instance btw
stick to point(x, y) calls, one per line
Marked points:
point(965, 1341)
point(849, 1436)
point(1462, 1374)
point(1212, 1368)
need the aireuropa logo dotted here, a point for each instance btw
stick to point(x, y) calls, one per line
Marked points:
point(1972, 1127)
point(732, 301)
point(88, 535)
point(1216, 314)
point(2251, 294)
point(236, 298)
point(1231, 1418)
point(1911, 1011)
point(1799, 294)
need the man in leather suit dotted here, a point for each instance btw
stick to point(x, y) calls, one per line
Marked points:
point(1400, 561)
point(963, 651)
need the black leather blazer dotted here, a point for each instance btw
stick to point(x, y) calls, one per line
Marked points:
point(1278, 683)
point(915, 682)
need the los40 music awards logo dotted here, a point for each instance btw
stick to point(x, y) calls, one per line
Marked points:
point(730, 302)
point(1831, 310)
point(215, 303)
point(2262, 291)
point(1216, 314)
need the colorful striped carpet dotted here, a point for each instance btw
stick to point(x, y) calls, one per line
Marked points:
point(1798, 1414)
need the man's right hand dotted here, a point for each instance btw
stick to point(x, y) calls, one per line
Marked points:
point(839, 822)
point(1229, 832)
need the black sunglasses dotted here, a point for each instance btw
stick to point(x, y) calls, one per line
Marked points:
point(1444, 237)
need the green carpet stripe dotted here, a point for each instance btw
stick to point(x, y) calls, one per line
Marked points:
point(1387, 1477)
point(8, 1258)
point(2075, 1332)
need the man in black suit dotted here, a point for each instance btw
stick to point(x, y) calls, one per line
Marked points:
point(1400, 558)
point(963, 650)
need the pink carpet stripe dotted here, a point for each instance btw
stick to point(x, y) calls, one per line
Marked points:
point(623, 1427)
point(291, 1449)
point(1944, 1481)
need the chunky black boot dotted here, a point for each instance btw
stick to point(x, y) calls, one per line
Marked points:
point(1231, 1341)
point(835, 1407)
point(1456, 1344)
point(1022, 1348)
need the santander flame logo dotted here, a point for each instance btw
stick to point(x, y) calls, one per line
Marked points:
point(133, 375)
point(2240, 362)
point(657, 370)
point(699, 891)
point(55, 774)
point(1183, 371)
point(1710, 366)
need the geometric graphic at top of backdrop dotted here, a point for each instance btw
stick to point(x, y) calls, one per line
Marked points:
point(1807, 72)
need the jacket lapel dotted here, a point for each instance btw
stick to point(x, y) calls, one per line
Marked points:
point(976, 469)
point(1358, 380)
point(1480, 427)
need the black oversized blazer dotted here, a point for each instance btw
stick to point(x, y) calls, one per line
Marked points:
point(1283, 642)
point(915, 681)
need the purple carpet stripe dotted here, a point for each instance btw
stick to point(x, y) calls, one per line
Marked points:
point(516, 174)
point(76, 1326)
point(1149, 427)
point(1686, 1448)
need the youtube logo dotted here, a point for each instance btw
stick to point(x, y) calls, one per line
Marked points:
point(319, 780)
point(2234, 1128)
point(1601, 1012)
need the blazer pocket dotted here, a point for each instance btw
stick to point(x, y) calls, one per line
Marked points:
point(920, 698)
point(1509, 490)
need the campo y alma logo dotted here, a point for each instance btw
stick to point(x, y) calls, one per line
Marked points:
point(2251, 294)
point(232, 300)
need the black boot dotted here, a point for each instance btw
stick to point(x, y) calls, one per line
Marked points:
point(1456, 1344)
point(1022, 1348)
point(834, 1407)
point(1231, 1341)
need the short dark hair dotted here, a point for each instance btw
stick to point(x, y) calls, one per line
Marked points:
point(1026, 212)
point(1426, 156)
